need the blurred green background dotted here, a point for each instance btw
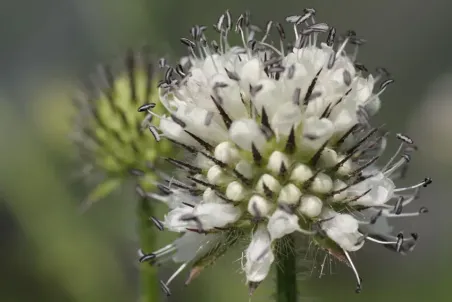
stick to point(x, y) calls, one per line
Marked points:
point(50, 252)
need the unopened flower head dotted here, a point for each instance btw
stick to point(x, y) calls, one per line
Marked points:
point(110, 133)
point(279, 143)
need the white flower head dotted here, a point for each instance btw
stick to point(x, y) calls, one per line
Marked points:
point(281, 144)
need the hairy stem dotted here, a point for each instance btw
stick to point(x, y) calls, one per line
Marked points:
point(149, 288)
point(286, 277)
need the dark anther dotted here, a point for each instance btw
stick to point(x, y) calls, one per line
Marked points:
point(331, 36)
point(147, 257)
point(280, 29)
point(399, 242)
point(146, 107)
point(359, 287)
point(296, 96)
point(427, 181)
point(157, 223)
point(399, 206)
point(187, 42)
point(404, 138)
point(423, 210)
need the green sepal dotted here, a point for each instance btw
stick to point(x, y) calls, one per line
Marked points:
point(102, 190)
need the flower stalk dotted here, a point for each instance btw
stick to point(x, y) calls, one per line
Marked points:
point(286, 275)
point(149, 289)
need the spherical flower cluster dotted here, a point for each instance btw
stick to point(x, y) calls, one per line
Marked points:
point(278, 143)
point(109, 132)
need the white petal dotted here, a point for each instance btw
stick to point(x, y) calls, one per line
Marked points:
point(230, 96)
point(209, 196)
point(343, 229)
point(178, 197)
point(316, 132)
point(246, 131)
point(174, 219)
point(196, 85)
point(259, 256)
point(174, 131)
point(373, 106)
point(381, 190)
point(282, 223)
point(344, 119)
point(381, 226)
point(266, 96)
point(192, 244)
point(251, 73)
point(288, 115)
point(363, 89)
point(213, 215)
point(213, 65)
point(199, 122)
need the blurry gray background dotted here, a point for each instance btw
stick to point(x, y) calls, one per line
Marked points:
point(50, 253)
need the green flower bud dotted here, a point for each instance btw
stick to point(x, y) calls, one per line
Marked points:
point(112, 136)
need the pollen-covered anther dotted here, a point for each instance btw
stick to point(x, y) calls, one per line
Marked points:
point(268, 185)
point(289, 194)
point(235, 191)
point(259, 207)
point(321, 184)
point(310, 206)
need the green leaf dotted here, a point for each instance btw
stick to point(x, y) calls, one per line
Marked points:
point(102, 190)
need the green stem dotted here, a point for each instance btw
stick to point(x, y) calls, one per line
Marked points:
point(286, 275)
point(149, 291)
